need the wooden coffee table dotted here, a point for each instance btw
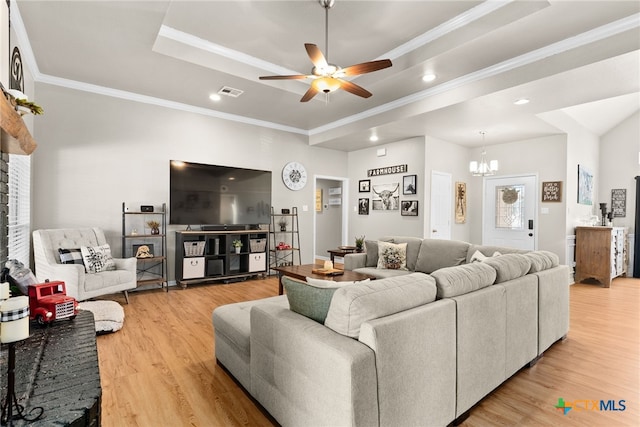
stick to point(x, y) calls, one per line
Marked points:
point(301, 272)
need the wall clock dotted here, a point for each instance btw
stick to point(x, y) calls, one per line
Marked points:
point(294, 176)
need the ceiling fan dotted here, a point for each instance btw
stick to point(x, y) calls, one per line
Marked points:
point(328, 77)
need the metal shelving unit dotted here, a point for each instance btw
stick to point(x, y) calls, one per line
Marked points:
point(284, 242)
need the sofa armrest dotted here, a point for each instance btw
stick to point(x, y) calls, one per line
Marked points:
point(300, 369)
point(129, 264)
point(71, 274)
point(416, 353)
point(353, 261)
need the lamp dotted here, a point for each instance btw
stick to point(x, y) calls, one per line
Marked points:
point(326, 84)
point(483, 168)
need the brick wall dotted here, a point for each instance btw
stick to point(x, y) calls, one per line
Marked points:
point(4, 207)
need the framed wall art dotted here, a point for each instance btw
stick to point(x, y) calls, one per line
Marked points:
point(318, 199)
point(364, 185)
point(363, 206)
point(619, 202)
point(409, 208)
point(409, 184)
point(386, 197)
point(585, 186)
point(552, 191)
point(461, 202)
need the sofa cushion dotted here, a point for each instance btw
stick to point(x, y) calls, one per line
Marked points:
point(311, 299)
point(392, 256)
point(97, 258)
point(353, 305)
point(542, 260)
point(462, 279)
point(413, 248)
point(381, 273)
point(437, 253)
point(509, 266)
point(371, 249)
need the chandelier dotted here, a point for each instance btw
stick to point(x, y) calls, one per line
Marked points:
point(483, 168)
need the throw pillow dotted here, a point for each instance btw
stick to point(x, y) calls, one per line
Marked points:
point(70, 256)
point(392, 256)
point(311, 300)
point(479, 256)
point(371, 249)
point(97, 258)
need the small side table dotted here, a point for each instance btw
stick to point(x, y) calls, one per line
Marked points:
point(341, 252)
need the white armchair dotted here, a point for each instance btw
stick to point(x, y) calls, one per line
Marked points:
point(80, 284)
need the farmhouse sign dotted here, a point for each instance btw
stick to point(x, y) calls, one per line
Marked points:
point(388, 170)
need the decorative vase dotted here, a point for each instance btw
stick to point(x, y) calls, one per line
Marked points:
point(283, 228)
point(155, 231)
point(237, 249)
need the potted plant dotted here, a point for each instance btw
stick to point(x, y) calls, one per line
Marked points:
point(154, 226)
point(359, 244)
point(282, 222)
point(237, 244)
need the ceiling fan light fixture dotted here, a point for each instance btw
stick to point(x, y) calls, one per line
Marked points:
point(326, 84)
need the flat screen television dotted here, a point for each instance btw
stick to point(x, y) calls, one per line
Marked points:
point(202, 194)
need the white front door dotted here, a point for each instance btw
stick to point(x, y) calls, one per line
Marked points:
point(440, 205)
point(509, 213)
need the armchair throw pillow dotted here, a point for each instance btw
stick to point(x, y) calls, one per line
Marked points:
point(97, 258)
point(70, 256)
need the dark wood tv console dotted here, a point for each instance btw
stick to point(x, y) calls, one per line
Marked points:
point(208, 256)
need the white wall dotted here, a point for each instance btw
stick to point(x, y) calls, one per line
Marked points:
point(96, 152)
point(619, 166)
point(382, 223)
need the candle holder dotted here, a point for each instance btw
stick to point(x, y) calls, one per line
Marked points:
point(14, 327)
point(603, 209)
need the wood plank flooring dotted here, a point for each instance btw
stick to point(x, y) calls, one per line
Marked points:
point(159, 370)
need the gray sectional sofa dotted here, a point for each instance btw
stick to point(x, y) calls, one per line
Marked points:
point(419, 346)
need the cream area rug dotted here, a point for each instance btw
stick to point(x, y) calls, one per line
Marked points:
point(108, 315)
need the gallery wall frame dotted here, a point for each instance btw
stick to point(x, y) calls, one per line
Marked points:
point(364, 185)
point(363, 206)
point(409, 208)
point(409, 185)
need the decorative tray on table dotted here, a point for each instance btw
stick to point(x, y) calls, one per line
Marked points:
point(327, 271)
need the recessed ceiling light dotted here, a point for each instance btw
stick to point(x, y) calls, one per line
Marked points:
point(373, 138)
point(521, 101)
point(214, 97)
point(428, 77)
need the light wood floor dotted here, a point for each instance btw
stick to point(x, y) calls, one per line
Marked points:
point(159, 370)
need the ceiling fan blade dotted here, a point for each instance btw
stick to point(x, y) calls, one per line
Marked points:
point(294, 77)
point(354, 88)
point(309, 94)
point(316, 55)
point(366, 67)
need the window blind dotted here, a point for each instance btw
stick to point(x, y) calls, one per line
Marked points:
point(19, 207)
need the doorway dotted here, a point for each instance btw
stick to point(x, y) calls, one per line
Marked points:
point(330, 213)
point(440, 205)
point(510, 205)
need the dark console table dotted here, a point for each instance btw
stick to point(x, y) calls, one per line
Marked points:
point(57, 370)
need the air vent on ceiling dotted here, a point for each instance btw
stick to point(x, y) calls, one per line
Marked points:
point(229, 91)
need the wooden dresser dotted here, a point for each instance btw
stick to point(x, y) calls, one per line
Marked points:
point(601, 253)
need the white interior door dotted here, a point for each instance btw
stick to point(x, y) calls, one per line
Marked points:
point(509, 213)
point(440, 205)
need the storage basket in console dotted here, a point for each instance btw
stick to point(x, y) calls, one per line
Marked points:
point(194, 248)
point(257, 245)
